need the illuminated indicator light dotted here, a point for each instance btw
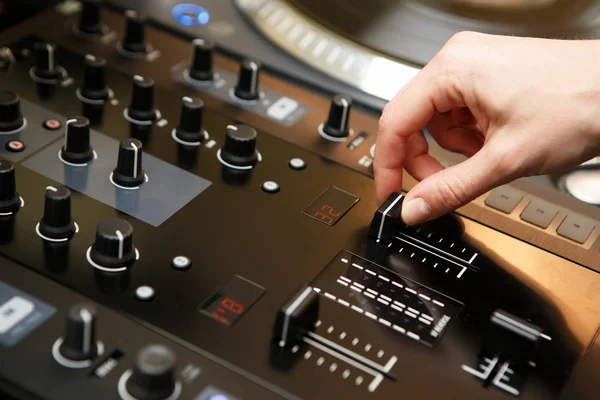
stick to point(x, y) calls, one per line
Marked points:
point(190, 14)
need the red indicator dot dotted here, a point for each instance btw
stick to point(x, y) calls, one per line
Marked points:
point(15, 146)
point(52, 124)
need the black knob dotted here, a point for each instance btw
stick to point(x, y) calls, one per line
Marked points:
point(10, 111)
point(46, 66)
point(240, 146)
point(339, 115)
point(89, 21)
point(129, 172)
point(113, 247)
point(135, 33)
point(10, 201)
point(77, 149)
point(141, 107)
point(190, 125)
point(94, 83)
point(57, 222)
point(79, 342)
point(247, 85)
point(201, 68)
point(153, 376)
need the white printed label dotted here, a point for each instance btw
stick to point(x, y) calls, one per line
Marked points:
point(14, 311)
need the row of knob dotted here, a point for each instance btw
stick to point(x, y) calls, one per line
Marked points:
point(113, 246)
point(152, 376)
point(200, 70)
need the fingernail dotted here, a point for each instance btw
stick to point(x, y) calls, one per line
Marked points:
point(415, 211)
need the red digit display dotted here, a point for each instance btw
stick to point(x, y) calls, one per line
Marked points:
point(232, 301)
point(232, 305)
point(330, 210)
point(331, 206)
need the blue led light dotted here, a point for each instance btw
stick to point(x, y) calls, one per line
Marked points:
point(190, 14)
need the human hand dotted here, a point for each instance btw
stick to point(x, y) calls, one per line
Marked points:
point(515, 106)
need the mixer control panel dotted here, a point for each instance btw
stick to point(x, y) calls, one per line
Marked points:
point(179, 224)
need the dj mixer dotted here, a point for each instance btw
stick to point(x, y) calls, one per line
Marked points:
point(178, 223)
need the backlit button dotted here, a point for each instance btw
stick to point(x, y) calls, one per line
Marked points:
point(504, 199)
point(181, 262)
point(576, 227)
point(52, 124)
point(297, 164)
point(15, 146)
point(144, 293)
point(539, 213)
point(282, 108)
point(270, 187)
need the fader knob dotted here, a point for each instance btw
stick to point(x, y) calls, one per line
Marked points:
point(201, 68)
point(79, 342)
point(239, 149)
point(247, 86)
point(296, 318)
point(190, 125)
point(135, 33)
point(77, 149)
point(10, 111)
point(153, 376)
point(141, 108)
point(57, 222)
point(89, 20)
point(113, 247)
point(94, 83)
point(46, 67)
point(337, 126)
point(10, 201)
point(129, 172)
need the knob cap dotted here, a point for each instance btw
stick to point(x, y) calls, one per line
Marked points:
point(142, 100)
point(202, 60)
point(129, 172)
point(113, 247)
point(79, 342)
point(339, 115)
point(10, 111)
point(247, 85)
point(10, 201)
point(45, 64)
point(94, 82)
point(89, 21)
point(77, 149)
point(57, 222)
point(135, 33)
point(153, 376)
point(190, 124)
point(240, 146)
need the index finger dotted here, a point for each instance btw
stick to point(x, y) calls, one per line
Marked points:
point(410, 110)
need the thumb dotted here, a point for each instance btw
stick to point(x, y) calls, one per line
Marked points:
point(454, 187)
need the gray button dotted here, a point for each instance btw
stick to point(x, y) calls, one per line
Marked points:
point(297, 164)
point(181, 262)
point(576, 227)
point(270, 187)
point(504, 199)
point(144, 293)
point(540, 213)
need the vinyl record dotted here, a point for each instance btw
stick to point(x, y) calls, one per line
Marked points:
point(415, 30)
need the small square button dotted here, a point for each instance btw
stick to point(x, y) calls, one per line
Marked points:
point(576, 228)
point(504, 199)
point(539, 213)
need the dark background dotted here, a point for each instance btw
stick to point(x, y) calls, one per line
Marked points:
point(14, 11)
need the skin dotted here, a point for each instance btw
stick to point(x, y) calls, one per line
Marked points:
point(515, 106)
